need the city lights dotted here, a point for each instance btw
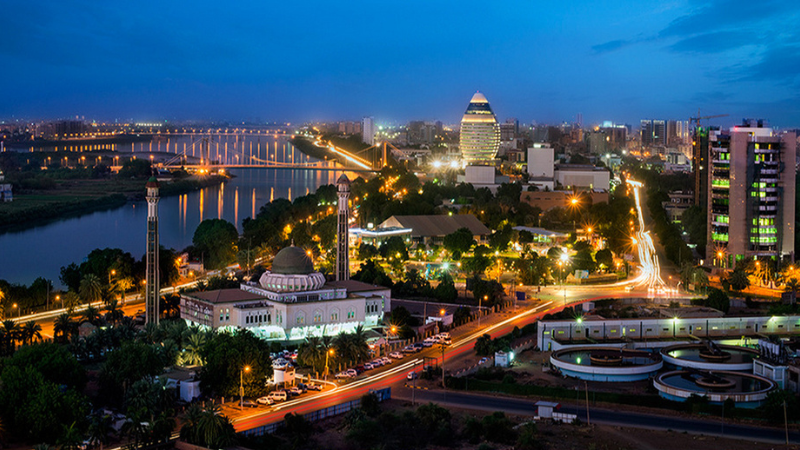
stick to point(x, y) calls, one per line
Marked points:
point(650, 275)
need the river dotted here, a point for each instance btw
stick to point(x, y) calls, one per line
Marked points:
point(43, 250)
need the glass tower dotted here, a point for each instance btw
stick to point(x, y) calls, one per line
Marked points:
point(480, 132)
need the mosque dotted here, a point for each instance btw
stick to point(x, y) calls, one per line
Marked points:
point(293, 300)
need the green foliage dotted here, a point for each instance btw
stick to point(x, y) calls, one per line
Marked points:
point(694, 221)
point(128, 364)
point(370, 404)
point(226, 354)
point(53, 361)
point(215, 241)
point(367, 251)
point(498, 428)
point(738, 279)
point(136, 168)
point(35, 408)
point(719, 300)
point(604, 257)
point(371, 272)
point(458, 242)
point(773, 406)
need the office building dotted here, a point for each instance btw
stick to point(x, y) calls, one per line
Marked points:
point(654, 132)
point(480, 132)
point(368, 130)
point(751, 194)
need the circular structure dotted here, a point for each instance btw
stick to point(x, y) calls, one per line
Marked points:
point(606, 363)
point(292, 261)
point(699, 356)
point(292, 271)
point(747, 390)
point(480, 133)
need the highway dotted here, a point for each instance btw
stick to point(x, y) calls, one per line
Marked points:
point(603, 416)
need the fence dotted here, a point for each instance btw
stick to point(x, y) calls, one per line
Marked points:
point(335, 410)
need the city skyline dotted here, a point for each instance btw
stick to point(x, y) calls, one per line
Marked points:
point(620, 62)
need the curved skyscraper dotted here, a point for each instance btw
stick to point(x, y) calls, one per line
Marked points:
point(480, 132)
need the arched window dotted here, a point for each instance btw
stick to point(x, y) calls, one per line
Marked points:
point(300, 318)
point(335, 315)
point(317, 316)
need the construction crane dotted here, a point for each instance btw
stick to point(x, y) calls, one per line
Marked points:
point(697, 119)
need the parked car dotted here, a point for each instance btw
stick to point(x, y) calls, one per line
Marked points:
point(352, 372)
point(386, 360)
point(397, 355)
point(303, 387)
point(409, 349)
point(368, 366)
point(294, 390)
point(249, 404)
point(344, 374)
point(278, 396)
point(314, 387)
point(265, 400)
point(445, 335)
point(377, 363)
point(428, 343)
point(418, 346)
point(411, 375)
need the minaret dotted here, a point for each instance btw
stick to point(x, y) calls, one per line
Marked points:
point(342, 242)
point(152, 286)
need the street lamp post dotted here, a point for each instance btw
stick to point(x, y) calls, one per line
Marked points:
point(328, 353)
point(19, 314)
point(564, 258)
point(480, 310)
point(241, 385)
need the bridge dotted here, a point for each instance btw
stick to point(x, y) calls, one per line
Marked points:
point(354, 162)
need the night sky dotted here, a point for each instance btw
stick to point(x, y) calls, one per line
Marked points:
point(400, 60)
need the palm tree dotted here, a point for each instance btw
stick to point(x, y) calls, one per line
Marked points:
point(71, 301)
point(63, 326)
point(30, 331)
point(113, 313)
point(99, 429)
point(91, 315)
point(12, 334)
point(311, 352)
point(214, 429)
point(191, 355)
point(190, 431)
point(91, 288)
point(71, 438)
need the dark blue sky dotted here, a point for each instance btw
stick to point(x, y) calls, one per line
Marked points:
point(400, 60)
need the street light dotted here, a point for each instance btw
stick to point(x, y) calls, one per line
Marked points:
point(328, 353)
point(18, 310)
point(480, 310)
point(564, 258)
point(241, 385)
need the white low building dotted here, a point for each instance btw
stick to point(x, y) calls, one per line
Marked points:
point(292, 301)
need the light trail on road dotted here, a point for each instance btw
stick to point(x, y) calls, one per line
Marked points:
point(650, 275)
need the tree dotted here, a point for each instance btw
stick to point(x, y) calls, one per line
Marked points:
point(30, 331)
point(128, 364)
point(208, 427)
point(483, 345)
point(91, 315)
point(395, 248)
point(718, 300)
point(773, 406)
point(63, 327)
point(352, 347)
point(311, 353)
point(135, 168)
point(91, 288)
point(226, 354)
point(99, 429)
point(216, 239)
point(193, 347)
point(445, 291)
point(458, 242)
point(367, 251)
point(605, 258)
point(738, 279)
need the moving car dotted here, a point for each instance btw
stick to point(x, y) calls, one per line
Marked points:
point(411, 375)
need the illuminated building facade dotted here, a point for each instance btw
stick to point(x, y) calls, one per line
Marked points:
point(480, 132)
point(291, 301)
point(751, 194)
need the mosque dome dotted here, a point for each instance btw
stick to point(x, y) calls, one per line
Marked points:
point(292, 271)
point(292, 261)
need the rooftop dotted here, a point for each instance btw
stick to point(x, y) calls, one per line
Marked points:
point(437, 225)
point(355, 286)
point(225, 296)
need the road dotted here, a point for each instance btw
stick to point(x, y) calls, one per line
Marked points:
point(601, 416)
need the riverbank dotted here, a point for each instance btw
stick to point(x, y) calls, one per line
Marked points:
point(118, 139)
point(74, 198)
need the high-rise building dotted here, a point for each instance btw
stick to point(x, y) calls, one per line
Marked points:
point(152, 285)
point(700, 163)
point(659, 132)
point(368, 130)
point(646, 127)
point(751, 194)
point(480, 133)
point(343, 229)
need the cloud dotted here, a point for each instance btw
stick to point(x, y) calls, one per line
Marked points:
point(715, 42)
point(611, 46)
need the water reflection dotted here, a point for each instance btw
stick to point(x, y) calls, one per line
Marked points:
point(42, 251)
